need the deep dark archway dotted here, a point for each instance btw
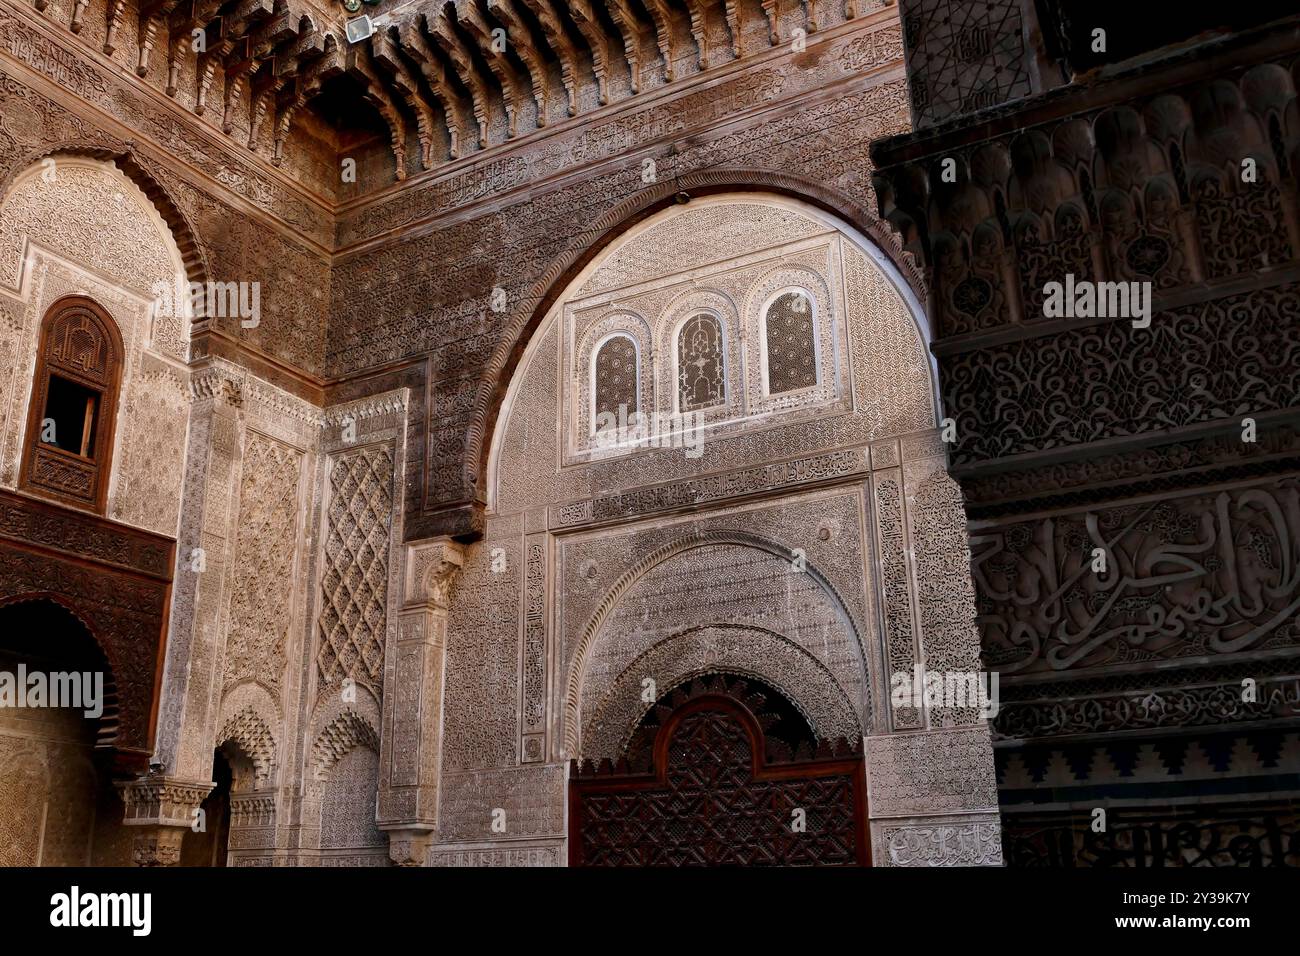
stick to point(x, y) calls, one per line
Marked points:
point(208, 843)
point(57, 703)
point(113, 578)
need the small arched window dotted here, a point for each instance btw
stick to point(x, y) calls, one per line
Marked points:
point(700, 373)
point(615, 377)
point(74, 404)
point(791, 341)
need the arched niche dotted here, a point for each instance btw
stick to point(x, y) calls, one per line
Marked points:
point(76, 225)
point(745, 249)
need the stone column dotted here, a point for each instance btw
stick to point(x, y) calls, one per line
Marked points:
point(163, 801)
point(410, 746)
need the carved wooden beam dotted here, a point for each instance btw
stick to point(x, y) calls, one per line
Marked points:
point(308, 44)
point(209, 60)
point(237, 65)
point(266, 86)
point(239, 62)
point(389, 61)
point(416, 45)
point(699, 30)
point(493, 48)
point(246, 16)
point(153, 15)
point(811, 17)
point(275, 31)
point(439, 26)
point(78, 15)
point(518, 36)
point(661, 13)
point(375, 91)
point(177, 46)
point(236, 81)
point(773, 13)
point(116, 11)
point(621, 13)
point(597, 41)
point(733, 24)
point(273, 86)
point(284, 113)
point(307, 84)
point(553, 29)
point(187, 17)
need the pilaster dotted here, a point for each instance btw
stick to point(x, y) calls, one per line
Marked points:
point(410, 748)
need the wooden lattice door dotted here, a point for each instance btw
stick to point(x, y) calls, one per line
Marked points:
point(712, 790)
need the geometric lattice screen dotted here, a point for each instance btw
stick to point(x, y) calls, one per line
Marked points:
point(615, 377)
point(700, 382)
point(354, 584)
point(791, 344)
point(710, 798)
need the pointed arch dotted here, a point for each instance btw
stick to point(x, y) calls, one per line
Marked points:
point(247, 734)
point(340, 737)
point(129, 164)
point(460, 513)
point(577, 668)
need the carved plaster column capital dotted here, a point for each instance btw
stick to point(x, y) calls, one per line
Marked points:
point(430, 569)
point(409, 847)
point(163, 808)
point(157, 846)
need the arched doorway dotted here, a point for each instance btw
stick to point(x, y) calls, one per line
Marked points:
point(209, 844)
point(725, 771)
point(57, 702)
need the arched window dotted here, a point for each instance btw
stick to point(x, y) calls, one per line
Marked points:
point(791, 342)
point(701, 382)
point(615, 374)
point(74, 404)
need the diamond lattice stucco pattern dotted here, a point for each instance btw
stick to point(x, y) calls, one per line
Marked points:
point(354, 586)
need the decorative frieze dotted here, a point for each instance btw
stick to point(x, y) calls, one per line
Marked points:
point(695, 491)
point(933, 772)
point(974, 840)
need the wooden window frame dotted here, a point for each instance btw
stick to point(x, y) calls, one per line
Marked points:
point(35, 452)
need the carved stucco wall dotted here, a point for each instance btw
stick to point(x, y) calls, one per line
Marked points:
point(524, 223)
point(308, 620)
point(753, 237)
point(277, 698)
point(265, 651)
point(1170, 447)
point(79, 225)
point(243, 221)
point(598, 572)
point(47, 786)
